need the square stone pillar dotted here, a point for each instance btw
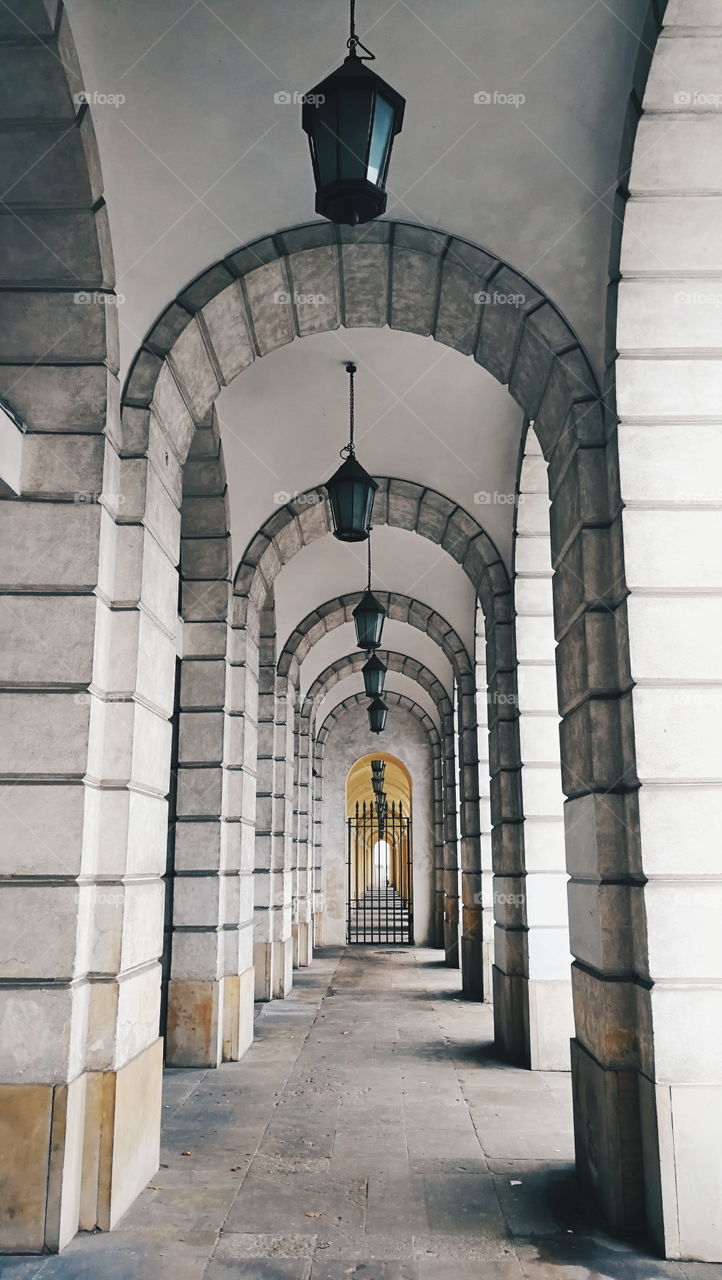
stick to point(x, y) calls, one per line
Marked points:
point(549, 993)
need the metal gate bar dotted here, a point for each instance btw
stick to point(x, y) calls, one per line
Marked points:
point(380, 875)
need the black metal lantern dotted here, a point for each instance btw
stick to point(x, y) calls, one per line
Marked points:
point(374, 674)
point(378, 767)
point(351, 119)
point(377, 715)
point(351, 489)
point(378, 785)
point(369, 616)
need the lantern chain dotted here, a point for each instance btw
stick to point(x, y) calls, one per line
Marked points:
point(353, 43)
point(369, 546)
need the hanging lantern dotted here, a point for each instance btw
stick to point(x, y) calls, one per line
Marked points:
point(351, 119)
point(374, 674)
point(377, 715)
point(369, 616)
point(378, 786)
point(351, 489)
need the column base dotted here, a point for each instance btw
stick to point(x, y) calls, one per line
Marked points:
point(317, 940)
point(607, 1139)
point(194, 1035)
point(511, 1017)
point(238, 996)
point(303, 950)
point(77, 1155)
point(273, 969)
point(472, 967)
point(551, 1023)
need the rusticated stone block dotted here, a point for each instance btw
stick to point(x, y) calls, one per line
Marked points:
point(364, 271)
point(597, 747)
point(591, 572)
point(415, 277)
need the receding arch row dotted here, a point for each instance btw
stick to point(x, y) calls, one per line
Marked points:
point(334, 613)
point(399, 663)
point(402, 504)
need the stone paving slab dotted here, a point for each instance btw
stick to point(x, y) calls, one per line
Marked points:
point(370, 1133)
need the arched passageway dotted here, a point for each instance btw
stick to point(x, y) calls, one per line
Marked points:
point(121, 672)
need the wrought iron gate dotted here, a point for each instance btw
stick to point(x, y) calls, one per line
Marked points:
point(380, 875)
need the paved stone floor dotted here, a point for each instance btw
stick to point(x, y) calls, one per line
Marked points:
point(369, 1134)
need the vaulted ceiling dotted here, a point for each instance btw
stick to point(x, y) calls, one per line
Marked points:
point(202, 156)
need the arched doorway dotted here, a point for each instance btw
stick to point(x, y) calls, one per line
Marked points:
point(379, 876)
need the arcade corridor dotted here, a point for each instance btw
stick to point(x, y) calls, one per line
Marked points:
point(369, 1134)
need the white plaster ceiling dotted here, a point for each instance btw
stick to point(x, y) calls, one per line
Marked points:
point(199, 158)
point(403, 562)
point(398, 637)
point(395, 683)
point(423, 412)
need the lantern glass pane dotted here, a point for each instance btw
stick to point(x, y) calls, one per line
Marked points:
point(325, 141)
point(380, 140)
point(354, 121)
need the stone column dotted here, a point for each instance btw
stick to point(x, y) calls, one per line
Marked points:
point(304, 870)
point(451, 856)
point(661, 933)
point(272, 897)
point(470, 843)
point(487, 873)
point(316, 788)
point(511, 1015)
point(549, 994)
point(210, 999)
point(83, 799)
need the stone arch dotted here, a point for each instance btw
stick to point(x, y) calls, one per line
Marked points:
point(323, 809)
point(443, 759)
point(400, 663)
point(320, 622)
point(334, 613)
point(418, 508)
